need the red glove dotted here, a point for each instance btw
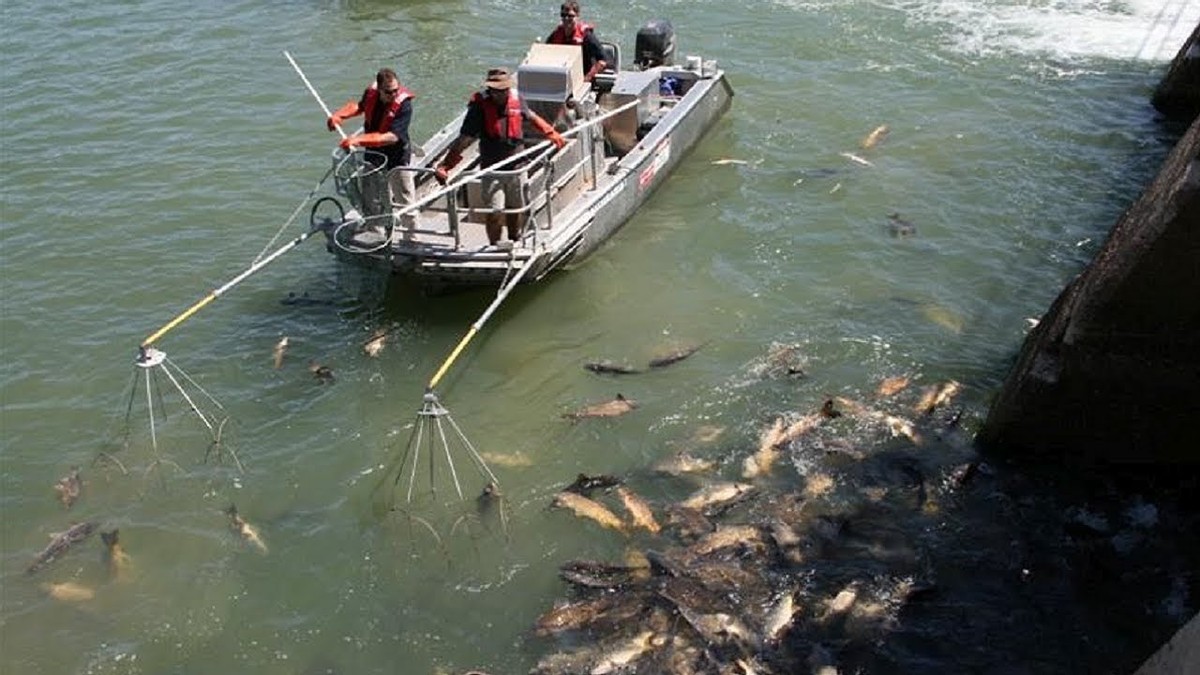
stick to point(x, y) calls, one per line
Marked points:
point(556, 138)
point(367, 140)
point(451, 160)
point(349, 110)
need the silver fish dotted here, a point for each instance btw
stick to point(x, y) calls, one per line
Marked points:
point(872, 139)
point(278, 352)
point(614, 408)
point(674, 356)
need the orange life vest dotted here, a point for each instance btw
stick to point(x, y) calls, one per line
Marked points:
point(491, 116)
point(371, 99)
point(558, 37)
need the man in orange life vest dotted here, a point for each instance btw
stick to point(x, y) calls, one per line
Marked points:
point(495, 116)
point(386, 107)
point(573, 31)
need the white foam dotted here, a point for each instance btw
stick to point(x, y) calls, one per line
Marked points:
point(1149, 30)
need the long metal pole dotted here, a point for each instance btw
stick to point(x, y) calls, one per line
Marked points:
point(504, 291)
point(313, 91)
point(218, 292)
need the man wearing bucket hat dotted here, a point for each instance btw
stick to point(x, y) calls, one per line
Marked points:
point(386, 107)
point(495, 116)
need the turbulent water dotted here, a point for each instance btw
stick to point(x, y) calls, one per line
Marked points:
point(152, 149)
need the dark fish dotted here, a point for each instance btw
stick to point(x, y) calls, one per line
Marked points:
point(585, 484)
point(68, 487)
point(610, 368)
point(614, 408)
point(60, 543)
point(323, 373)
point(593, 574)
point(115, 556)
point(674, 357)
point(900, 227)
point(303, 300)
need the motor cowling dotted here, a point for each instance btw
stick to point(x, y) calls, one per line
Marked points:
point(655, 44)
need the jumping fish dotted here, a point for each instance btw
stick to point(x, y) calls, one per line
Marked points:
point(621, 655)
point(69, 591)
point(323, 373)
point(935, 396)
point(590, 509)
point(609, 368)
point(855, 158)
point(68, 487)
point(891, 385)
point(728, 536)
point(779, 617)
point(674, 356)
point(683, 462)
point(716, 494)
point(115, 557)
point(279, 351)
point(639, 509)
point(60, 543)
point(872, 139)
point(585, 484)
point(614, 408)
point(574, 615)
point(245, 530)
point(375, 343)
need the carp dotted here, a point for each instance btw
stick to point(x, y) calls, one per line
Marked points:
point(592, 574)
point(246, 531)
point(574, 615)
point(683, 462)
point(375, 343)
point(891, 385)
point(278, 352)
point(59, 544)
point(614, 408)
point(936, 395)
point(872, 139)
point(610, 368)
point(68, 487)
point(779, 617)
point(590, 509)
point(775, 438)
point(115, 557)
point(618, 658)
point(856, 159)
point(728, 536)
point(585, 484)
point(321, 372)
point(69, 591)
point(675, 356)
point(717, 494)
point(639, 510)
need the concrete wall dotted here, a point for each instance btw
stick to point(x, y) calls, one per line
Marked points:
point(1180, 656)
point(1112, 371)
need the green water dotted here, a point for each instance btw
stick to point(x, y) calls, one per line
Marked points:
point(152, 149)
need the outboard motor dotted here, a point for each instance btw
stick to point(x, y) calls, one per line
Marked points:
point(655, 45)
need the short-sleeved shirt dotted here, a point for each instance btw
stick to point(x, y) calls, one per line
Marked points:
point(491, 150)
point(399, 153)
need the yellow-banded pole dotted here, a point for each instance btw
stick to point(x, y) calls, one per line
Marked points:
point(487, 313)
point(218, 292)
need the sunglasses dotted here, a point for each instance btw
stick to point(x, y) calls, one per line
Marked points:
point(392, 92)
point(565, 15)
